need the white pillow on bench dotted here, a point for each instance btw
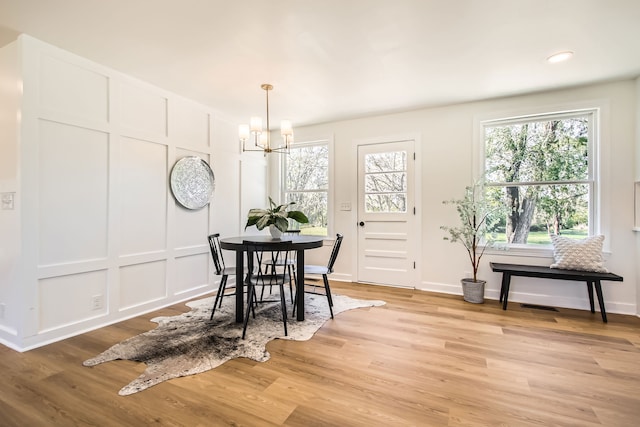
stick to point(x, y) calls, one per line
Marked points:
point(584, 254)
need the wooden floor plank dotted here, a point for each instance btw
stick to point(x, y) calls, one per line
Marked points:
point(422, 359)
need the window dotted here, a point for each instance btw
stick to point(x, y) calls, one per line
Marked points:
point(306, 182)
point(542, 169)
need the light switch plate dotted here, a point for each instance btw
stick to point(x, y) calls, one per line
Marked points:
point(345, 206)
point(7, 201)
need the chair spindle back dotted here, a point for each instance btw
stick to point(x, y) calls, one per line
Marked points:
point(216, 252)
point(334, 253)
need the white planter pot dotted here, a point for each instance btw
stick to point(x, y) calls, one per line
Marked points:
point(275, 231)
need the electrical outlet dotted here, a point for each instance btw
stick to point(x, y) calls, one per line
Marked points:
point(97, 302)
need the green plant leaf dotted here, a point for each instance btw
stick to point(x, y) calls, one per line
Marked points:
point(271, 203)
point(298, 216)
point(281, 224)
point(276, 215)
point(474, 213)
point(264, 222)
point(252, 220)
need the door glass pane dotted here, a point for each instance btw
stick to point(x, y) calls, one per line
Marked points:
point(386, 162)
point(385, 182)
point(387, 203)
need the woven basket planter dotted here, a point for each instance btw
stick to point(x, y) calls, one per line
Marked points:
point(473, 291)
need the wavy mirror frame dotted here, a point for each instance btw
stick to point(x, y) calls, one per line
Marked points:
point(192, 182)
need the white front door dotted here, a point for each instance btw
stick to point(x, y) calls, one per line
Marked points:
point(386, 213)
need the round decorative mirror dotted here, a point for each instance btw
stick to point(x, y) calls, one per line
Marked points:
point(192, 182)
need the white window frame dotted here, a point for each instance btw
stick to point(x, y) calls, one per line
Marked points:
point(597, 157)
point(328, 141)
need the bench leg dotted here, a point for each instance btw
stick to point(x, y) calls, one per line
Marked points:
point(590, 290)
point(600, 300)
point(504, 289)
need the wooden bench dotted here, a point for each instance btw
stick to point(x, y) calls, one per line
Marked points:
point(591, 278)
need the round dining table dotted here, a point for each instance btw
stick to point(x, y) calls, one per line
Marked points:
point(297, 243)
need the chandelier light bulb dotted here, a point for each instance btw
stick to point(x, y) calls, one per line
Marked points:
point(285, 128)
point(263, 139)
point(256, 124)
point(243, 132)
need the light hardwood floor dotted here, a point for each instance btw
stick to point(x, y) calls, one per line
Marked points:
point(423, 359)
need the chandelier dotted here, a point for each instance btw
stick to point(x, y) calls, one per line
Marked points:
point(262, 137)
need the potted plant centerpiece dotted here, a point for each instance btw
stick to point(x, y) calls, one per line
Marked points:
point(276, 218)
point(477, 218)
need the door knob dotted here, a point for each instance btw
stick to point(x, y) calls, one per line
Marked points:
point(361, 223)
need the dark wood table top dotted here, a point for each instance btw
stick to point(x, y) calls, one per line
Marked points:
point(236, 243)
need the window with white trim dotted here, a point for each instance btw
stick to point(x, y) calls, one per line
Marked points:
point(543, 169)
point(306, 182)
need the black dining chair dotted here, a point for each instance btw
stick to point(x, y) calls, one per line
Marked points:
point(289, 264)
point(271, 277)
point(324, 271)
point(221, 270)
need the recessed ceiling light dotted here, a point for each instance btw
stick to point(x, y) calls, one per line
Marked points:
point(559, 57)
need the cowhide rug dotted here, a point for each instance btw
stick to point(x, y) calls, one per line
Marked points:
point(191, 343)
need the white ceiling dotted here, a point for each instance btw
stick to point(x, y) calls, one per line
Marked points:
point(336, 59)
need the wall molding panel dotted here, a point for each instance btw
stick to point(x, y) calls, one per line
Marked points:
point(102, 238)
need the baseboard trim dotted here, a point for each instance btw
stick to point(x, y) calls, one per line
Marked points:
point(43, 339)
point(537, 299)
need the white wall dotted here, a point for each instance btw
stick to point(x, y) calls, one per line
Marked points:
point(93, 201)
point(9, 218)
point(447, 136)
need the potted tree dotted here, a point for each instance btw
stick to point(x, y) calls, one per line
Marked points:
point(477, 218)
point(276, 218)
